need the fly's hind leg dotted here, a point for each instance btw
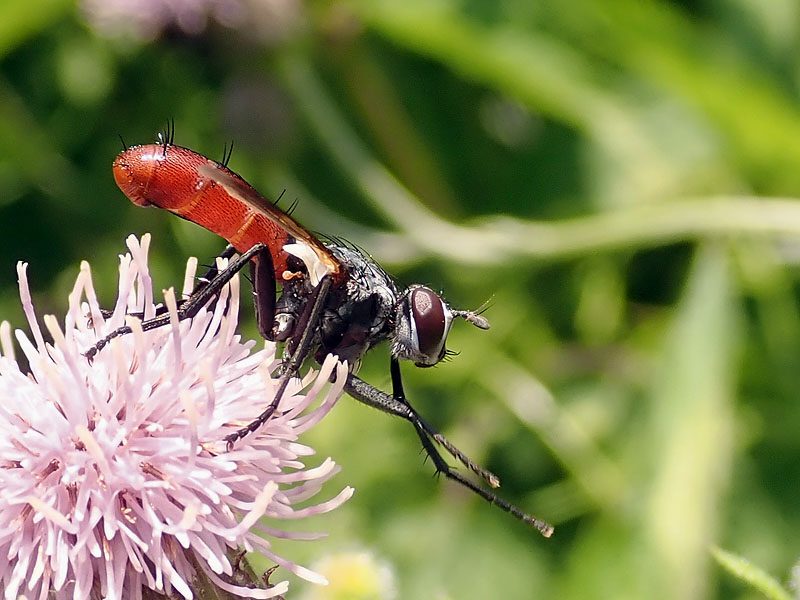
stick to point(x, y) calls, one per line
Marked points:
point(208, 287)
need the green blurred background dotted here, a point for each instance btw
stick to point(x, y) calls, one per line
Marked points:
point(616, 176)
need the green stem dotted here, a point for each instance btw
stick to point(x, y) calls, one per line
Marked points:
point(500, 239)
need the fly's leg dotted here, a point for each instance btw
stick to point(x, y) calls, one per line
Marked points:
point(423, 427)
point(161, 309)
point(265, 286)
point(397, 405)
point(205, 290)
point(301, 342)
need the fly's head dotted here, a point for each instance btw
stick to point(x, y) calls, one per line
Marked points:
point(422, 323)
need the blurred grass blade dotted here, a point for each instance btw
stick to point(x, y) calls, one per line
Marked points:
point(543, 72)
point(754, 576)
point(690, 435)
point(387, 194)
point(655, 43)
point(666, 45)
point(503, 238)
point(540, 70)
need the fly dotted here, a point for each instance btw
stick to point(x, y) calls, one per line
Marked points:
point(318, 298)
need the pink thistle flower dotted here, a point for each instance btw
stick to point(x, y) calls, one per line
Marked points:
point(114, 477)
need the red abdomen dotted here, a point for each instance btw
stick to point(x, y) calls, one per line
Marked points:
point(182, 181)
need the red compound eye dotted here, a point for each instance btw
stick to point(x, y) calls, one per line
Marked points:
point(431, 320)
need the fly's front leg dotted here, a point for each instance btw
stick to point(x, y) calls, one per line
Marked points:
point(397, 405)
point(425, 430)
point(427, 433)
